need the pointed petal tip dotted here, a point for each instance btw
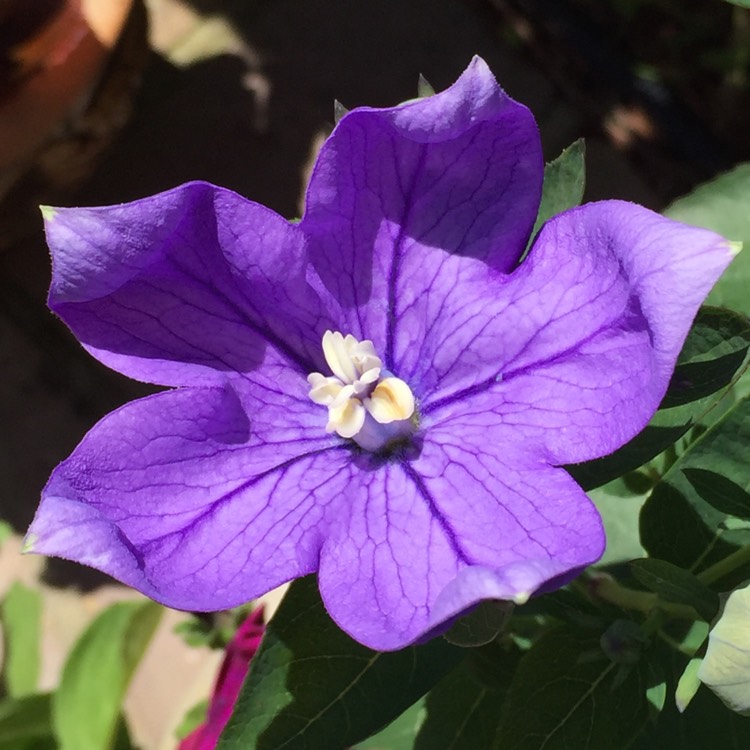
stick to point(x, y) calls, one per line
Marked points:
point(735, 248)
point(48, 212)
point(517, 582)
point(29, 544)
point(478, 63)
point(479, 69)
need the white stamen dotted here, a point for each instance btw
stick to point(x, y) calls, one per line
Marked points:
point(360, 402)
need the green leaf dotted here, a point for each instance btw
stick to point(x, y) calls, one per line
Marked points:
point(674, 584)
point(656, 695)
point(461, 713)
point(463, 709)
point(722, 205)
point(690, 640)
point(399, 734)
point(6, 531)
point(21, 616)
point(713, 352)
point(619, 503)
point(424, 88)
point(677, 524)
point(564, 183)
point(195, 716)
point(86, 706)
point(312, 686)
point(715, 333)
point(25, 723)
point(568, 605)
point(567, 694)
point(647, 444)
point(214, 630)
point(720, 492)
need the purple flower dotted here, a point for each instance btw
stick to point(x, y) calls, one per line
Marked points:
point(380, 393)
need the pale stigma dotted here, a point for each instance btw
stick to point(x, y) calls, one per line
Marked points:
point(365, 403)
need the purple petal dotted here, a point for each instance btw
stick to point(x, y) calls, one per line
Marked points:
point(186, 286)
point(573, 352)
point(421, 542)
point(198, 497)
point(395, 190)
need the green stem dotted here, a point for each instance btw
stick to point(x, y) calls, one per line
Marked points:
point(726, 566)
point(607, 588)
point(654, 621)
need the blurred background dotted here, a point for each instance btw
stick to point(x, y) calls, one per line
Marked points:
point(104, 101)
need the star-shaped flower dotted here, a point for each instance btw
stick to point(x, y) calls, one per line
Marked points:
point(380, 393)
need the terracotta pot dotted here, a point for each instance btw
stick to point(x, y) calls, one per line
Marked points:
point(58, 104)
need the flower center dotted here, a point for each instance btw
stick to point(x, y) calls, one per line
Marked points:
point(365, 403)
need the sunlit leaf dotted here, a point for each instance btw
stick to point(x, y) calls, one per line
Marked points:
point(564, 183)
point(722, 205)
point(21, 617)
point(676, 523)
point(399, 734)
point(6, 531)
point(86, 707)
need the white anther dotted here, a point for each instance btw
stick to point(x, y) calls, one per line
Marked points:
point(346, 418)
point(351, 360)
point(390, 401)
point(324, 390)
point(346, 393)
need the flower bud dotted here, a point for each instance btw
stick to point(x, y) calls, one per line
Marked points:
point(726, 666)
